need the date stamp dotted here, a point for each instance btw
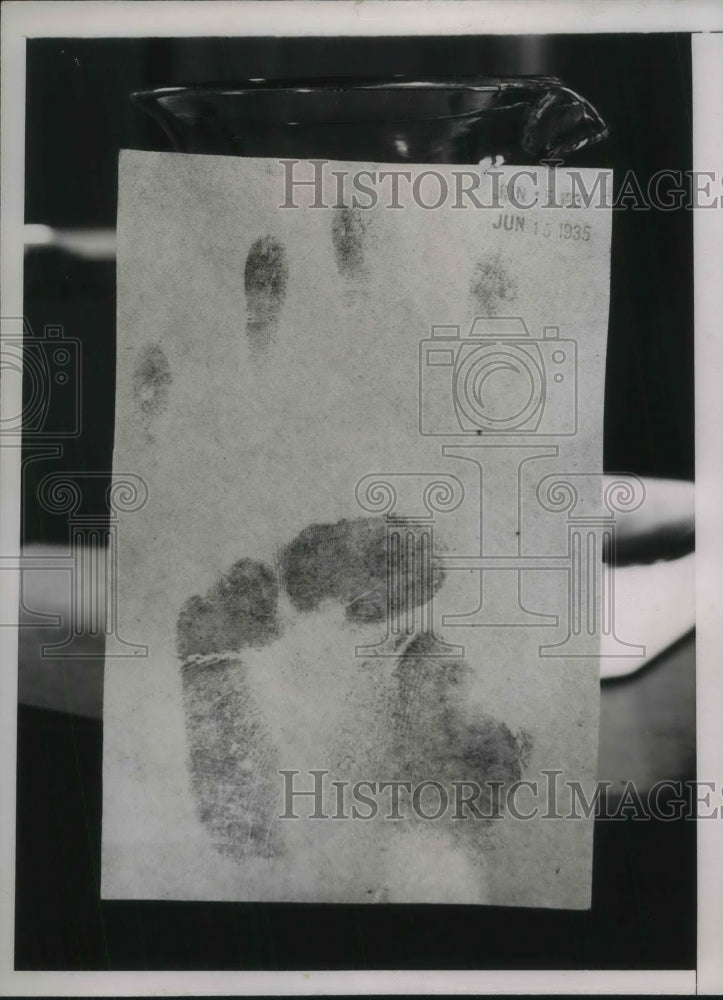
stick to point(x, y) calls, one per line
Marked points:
point(514, 222)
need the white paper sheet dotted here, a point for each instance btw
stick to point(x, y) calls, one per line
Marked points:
point(313, 395)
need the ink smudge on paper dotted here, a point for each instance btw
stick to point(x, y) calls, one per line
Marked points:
point(348, 229)
point(492, 286)
point(238, 611)
point(266, 276)
point(348, 561)
point(151, 381)
point(231, 757)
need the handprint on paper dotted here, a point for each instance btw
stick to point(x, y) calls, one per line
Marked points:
point(269, 676)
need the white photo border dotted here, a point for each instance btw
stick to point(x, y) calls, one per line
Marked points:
point(124, 18)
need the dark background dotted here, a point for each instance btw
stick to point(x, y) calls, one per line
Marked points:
point(78, 116)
